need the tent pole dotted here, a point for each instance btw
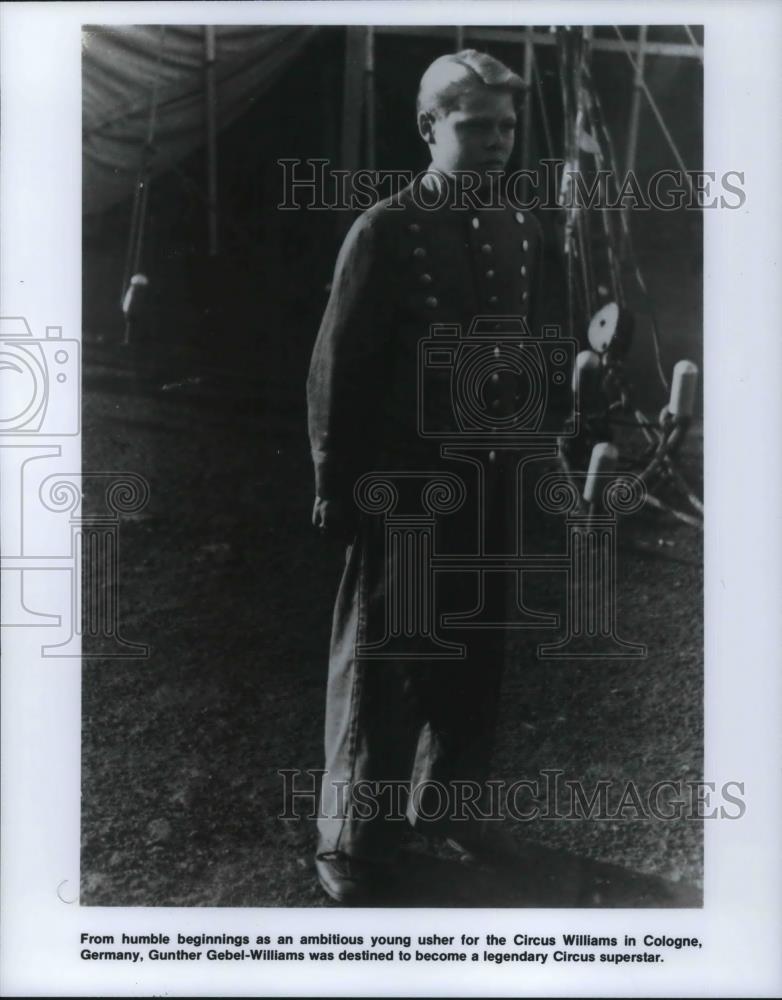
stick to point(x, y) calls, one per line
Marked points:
point(352, 111)
point(369, 80)
point(211, 137)
point(352, 97)
point(507, 36)
point(635, 108)
point(635, 111)
point(526, 121)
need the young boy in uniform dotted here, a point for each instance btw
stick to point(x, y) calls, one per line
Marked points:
point(429, 255)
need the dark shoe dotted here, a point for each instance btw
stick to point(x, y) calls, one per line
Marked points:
point(350, 881)
point(488, 844)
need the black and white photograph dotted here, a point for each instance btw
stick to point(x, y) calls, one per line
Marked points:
point(402, 330)
point(389, 447)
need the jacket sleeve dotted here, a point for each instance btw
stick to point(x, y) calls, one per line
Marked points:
point(347, 367)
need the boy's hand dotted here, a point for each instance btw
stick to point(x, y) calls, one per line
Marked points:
point(332, 517)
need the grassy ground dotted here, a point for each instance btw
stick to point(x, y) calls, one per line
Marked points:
point(223, 578)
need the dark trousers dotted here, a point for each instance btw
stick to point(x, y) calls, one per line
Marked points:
point(409, 737)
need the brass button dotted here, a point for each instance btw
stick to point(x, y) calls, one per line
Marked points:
point(432, 302)
point(419, 252)
point(486, 248)
point(525, 245)
point(496, 351)
point(426, 279)
point(475, 222)
point(490, 273)
point(495, 378)
point(523, 270)
point(519, 217)
point(492, 456)
point(524, 296)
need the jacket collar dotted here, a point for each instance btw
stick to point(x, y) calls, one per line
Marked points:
point(439, 189)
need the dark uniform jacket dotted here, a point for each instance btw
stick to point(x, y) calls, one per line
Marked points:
point(408, 279)
point(404, 267)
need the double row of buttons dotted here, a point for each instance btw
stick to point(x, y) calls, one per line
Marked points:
point(425, 278)
point(487, 248)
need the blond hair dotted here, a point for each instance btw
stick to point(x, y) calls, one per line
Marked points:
point(449, 77)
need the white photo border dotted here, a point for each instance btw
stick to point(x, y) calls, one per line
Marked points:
point(40, 258)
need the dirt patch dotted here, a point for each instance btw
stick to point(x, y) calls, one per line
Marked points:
point(223, 578)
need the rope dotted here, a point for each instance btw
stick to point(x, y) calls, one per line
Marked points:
point(569, 216)
point(657, 113)
point(141, 193)
point(583, 233)
point(595, 122)
point(543, 112)
point(576, 227)
point(695, 44)
point(630, 247)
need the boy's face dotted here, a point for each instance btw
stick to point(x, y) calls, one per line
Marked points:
point(478, 135)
